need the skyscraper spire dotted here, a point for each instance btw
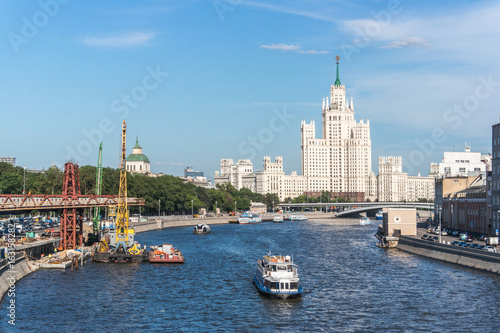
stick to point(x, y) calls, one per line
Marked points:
point(337, 81)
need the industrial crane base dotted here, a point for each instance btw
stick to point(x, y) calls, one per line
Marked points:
point(120, 257)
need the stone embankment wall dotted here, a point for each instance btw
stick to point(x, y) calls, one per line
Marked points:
point(8, 274)
point(178, 222)
point(473, 258)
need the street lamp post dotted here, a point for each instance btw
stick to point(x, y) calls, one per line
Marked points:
point(215, 207)
point(235, 207)
point(273, 207)
point(158, 207)
point(192, 208)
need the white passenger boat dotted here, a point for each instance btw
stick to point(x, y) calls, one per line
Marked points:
point(365, 221)
point(379, 215)
point(276, 276)
point(249, 218)
point(201, 229)
point(278, 218)
point(298, 217)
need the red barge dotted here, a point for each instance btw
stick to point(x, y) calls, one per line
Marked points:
point(165, 254)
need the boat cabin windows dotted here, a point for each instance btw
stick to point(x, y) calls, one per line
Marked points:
point(284, 285)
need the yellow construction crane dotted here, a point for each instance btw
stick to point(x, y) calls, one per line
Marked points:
point(121, 246)
point(122, 231)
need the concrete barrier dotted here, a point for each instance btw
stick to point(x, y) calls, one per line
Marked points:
point(21, 268)
point(472, 258)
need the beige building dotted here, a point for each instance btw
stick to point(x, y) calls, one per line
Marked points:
point(400, 222)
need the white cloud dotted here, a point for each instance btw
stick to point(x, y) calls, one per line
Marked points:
point(292, 48)
point(282, 47)
point(120, 41)
point(406, 42)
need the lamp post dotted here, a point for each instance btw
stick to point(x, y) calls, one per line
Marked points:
point(192, 208)
point(158, 207)
point(215, 207)
point(235, 207)
point(273, 207)
point(440, 224)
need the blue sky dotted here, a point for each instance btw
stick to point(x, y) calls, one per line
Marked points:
point(198, 81)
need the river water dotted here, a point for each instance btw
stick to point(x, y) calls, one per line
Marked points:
point(350, 286)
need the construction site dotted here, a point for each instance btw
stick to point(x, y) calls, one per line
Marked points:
point(73, 241)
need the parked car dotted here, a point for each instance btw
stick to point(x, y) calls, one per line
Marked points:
point(434, 238)
point(462, 236)
point(455, 243)
point(455, 233)
point(424, 236)
point(490, 249)
point(444, 233)
point(469, 239)
point(482, 238)
point(481, 247)
point(473, 245)
point(462, 244)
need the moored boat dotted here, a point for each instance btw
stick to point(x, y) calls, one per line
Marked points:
point(298, 217)
point(379, 215)
point(277, 276)
point(166, 254)
point(249, 218)
point(278, 218)
point(201, 229)
point(365, 221)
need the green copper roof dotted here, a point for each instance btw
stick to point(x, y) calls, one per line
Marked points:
point(137, 158)
point(337, 81)
point(137, 143)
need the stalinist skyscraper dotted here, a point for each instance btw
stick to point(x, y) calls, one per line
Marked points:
point(340, 161)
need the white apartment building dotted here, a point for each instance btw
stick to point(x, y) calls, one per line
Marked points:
point(463, 163)
point(396, 185)
point(341, 160)
point(236, 174)
point(392, 181)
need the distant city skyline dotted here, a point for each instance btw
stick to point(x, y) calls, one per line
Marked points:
point(201, 81)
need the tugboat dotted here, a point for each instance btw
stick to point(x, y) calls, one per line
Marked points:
point(165, 254)
point(201, 229)
point(276, 276)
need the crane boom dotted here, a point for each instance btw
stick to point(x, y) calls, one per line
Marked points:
point(98, 184)
point(122, 230)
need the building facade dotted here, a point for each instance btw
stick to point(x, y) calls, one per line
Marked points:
point(238, 174)
point(10, 160)
point(463, 163)
point(137, 162)
point(341, 160)
point(494, 182)
point(396, 185)
point(189, 172)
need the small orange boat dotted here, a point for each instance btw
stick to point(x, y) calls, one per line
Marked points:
point(166, 254)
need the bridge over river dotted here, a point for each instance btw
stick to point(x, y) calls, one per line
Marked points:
point(352, 208)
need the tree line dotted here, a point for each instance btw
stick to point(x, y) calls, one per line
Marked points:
point(167, 193)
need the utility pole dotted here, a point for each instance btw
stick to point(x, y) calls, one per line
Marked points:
point(192, 208)
point(158, 207)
